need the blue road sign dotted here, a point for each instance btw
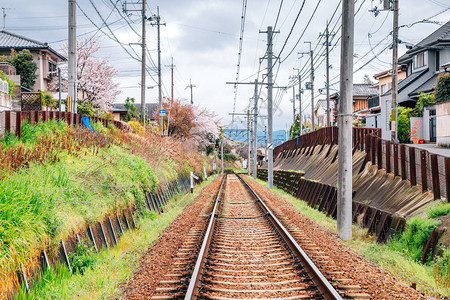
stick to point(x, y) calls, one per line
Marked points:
point(162, 112)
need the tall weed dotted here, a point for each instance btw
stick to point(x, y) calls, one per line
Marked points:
point(412, 240)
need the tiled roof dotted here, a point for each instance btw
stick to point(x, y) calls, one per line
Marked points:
point(426, 87)
point(363, 89)
point(10, 40)
point(151, 107)
point(405, 82)
point(441, 34)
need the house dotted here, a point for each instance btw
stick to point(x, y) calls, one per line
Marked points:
point(422, 64)
point(362, 92)
point(384, 84)
point(320, 112)
point(44, 56)
point(119, 111)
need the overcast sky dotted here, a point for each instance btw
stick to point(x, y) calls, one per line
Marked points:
point(202, 36)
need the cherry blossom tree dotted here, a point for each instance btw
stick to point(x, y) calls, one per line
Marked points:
point(95, 82)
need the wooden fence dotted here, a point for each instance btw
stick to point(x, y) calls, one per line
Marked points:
point(11, 121)
point(419, 166)
point(430, 171)
point(325, 135)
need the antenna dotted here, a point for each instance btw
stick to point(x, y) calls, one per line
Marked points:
point(4, 15)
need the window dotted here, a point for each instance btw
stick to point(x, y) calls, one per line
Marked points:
point(420, 60)
point(383, 89)
point(51, 68)
point(437, 63)
point(389, 85)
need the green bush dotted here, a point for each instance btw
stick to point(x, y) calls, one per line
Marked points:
point(48, 99)
point(82, 259)
point(86, 108)
point(403, 124)
point(424, 100)
point(412, 240)
point(25, 67)
point(442, 90)
point(441, 209)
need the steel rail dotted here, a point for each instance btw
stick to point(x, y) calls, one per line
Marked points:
point(324, 286)
point(194, 282)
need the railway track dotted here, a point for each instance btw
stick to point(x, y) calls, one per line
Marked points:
point(246, 253)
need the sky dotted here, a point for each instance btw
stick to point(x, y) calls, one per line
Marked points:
point(203, 37)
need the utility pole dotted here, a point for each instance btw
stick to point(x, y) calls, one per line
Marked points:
point(270, 33)
point(248, 142)
point(344, 182)
point(4, 16)
point(171, 66)
point(157, 23)
point(327, 35)
point(255, 130)
point(293, 104)
point(72, 64)
point(311, 53)
point(393, 5)
point(191, 86)
point(265, 142)
point(59, 87)
point(395, 67)
point(221, 147)
point(143, 57)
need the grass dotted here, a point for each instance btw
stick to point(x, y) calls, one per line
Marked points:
point(432, 278)
point(440, 209)
point(113, 265)
point(56, 179)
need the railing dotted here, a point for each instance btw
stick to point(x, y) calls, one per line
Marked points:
point(11, 121)
point(326, 135)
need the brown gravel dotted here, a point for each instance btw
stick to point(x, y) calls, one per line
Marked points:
point(157, 261)
point(373, 281)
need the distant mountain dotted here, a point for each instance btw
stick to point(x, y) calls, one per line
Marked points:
point(240, 135)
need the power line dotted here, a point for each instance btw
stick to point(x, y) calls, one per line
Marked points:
point(241, 40)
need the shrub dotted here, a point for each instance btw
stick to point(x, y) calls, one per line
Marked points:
point(48, 99)
point(25, 66)
point(424, 100)
point(403, 124)
point(416, 234)
point(441, 209)
point(82, 259)
point(442, 90)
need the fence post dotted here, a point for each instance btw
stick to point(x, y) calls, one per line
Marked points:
point(435, 176)
point(447, 177)
point(19, 124)
point(395, 159)
point(367, 147)
point(412, 165)
point(423, 167)
point(388, 156)
point(8, 121)
point(403, 160)
point(380, 153)
point(374, 149)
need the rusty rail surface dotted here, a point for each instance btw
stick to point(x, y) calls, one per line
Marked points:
point(194, 282)
point(323, 285)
